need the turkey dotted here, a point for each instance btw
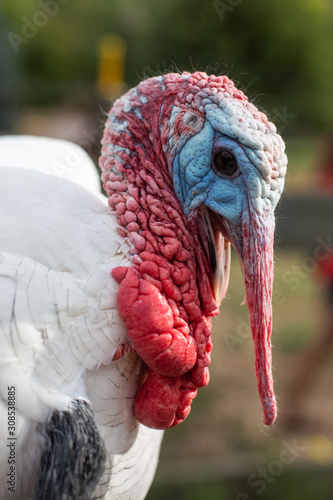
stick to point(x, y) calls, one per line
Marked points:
point(106, 301)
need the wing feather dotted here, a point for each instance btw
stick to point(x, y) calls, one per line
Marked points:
point(59, 322)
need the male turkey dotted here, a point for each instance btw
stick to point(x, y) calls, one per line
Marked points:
point(106, 303)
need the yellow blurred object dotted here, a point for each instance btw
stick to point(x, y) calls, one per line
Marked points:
point(112, 51)
point(319, 449)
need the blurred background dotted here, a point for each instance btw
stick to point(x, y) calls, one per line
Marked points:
point(63, 62)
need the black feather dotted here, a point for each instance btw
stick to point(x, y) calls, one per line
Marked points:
point(74, 460)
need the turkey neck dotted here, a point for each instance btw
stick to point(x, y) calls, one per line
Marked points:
point(164, 246)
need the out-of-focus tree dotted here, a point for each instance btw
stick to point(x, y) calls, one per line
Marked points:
point(8, 83)
point(280, 50)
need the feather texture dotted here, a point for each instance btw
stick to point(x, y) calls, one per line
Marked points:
point(59, 322)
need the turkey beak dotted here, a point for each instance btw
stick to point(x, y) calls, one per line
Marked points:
point(222, 271)
point(258, 239)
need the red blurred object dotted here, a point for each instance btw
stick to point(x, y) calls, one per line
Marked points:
point(326, 166)
point(325, 267)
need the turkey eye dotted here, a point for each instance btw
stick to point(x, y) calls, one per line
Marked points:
point(225, 163)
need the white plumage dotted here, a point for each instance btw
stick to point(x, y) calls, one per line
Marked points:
point(59, 323)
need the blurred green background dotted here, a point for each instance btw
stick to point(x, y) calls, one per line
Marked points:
point(58, 76)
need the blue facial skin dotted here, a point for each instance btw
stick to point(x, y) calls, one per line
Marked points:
point(196, 182)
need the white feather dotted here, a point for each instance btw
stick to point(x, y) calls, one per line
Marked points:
point(55, 157)
point(59, 322)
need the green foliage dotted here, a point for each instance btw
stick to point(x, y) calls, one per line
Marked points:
point(278, 50)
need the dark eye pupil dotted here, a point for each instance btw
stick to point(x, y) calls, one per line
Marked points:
point(225, 162)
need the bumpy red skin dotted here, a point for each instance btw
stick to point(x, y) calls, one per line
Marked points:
point(161, 339)
point(165, 298)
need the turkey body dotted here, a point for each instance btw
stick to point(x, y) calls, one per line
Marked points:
point(106, 303)
point(59, 323)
